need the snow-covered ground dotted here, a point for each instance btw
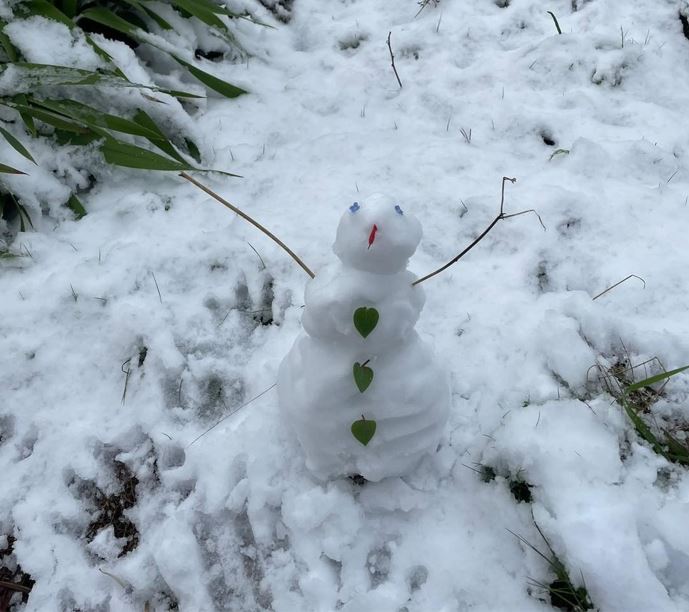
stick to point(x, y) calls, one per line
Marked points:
point(126, 335)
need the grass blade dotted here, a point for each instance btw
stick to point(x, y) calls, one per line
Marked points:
point(647, 382)
point(16, 145)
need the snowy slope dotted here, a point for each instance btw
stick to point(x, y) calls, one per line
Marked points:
point(234, 521)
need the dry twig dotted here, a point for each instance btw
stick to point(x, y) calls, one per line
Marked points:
point(392, 60)
point(246, 217)
point(500, 217)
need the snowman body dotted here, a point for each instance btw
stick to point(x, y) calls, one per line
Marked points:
point(407, 399)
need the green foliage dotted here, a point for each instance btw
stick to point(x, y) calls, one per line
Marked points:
point(364, 430)
point(563, 594)
point(73, 107)
point(365, 320)
point(363, 376)
point(664, 444)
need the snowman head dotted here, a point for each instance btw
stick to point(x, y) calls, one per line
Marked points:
point(377, 235)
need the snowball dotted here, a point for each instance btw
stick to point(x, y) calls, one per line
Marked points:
point(376, 235)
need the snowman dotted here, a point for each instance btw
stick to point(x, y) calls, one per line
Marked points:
point(359, 387)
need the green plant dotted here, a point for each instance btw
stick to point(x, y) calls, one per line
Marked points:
point(562, 592)
point(86, 109)
point(664, 443)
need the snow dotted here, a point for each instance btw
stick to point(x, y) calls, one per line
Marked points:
point(235, 520)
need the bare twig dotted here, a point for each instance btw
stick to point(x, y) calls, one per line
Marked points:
point(253, 222)
point(160, 297)
point(467, 135)
point(619, 283)
point(557, 25)
point(392, 60)
point(13, 586)
point(126, 373)
point(227, 416)
point(500, 217)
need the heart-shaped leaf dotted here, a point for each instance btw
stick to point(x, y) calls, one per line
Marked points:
point(363, 376)
point(363, 430)
point(365, 320)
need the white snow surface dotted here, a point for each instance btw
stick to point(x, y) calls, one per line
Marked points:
point(235, 520)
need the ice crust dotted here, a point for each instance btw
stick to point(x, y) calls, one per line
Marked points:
point(408, 397)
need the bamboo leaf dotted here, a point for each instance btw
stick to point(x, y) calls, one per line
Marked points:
point(200, 10)
point(69, 7)
point(7, 43)
point(108, 18)
point(222, 87)
point(158, 138)
point(151, 13)
point(27, 119)
point(5, 169)
point(75, 205)
point(16, 145)
point(47, 10)
point(53, 119)
point(193, 150)
point(130, 156)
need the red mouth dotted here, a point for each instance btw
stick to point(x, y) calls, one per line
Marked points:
point(372, 235)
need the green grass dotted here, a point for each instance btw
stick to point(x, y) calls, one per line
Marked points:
point(562, 592)
point(637, 399)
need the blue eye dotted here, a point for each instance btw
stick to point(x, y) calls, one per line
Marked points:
point(354, 207)
point(398, 210)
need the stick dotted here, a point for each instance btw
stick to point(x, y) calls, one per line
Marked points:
point(619, 283)
point(227, 416)
point(246, 217)
point(500, 217)
point(392, 60)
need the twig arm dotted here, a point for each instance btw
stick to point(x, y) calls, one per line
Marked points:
point(500, 217)
point(246, 217)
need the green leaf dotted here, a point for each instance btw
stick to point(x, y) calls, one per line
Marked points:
point(364, 430)
point(7, 43)
point(157, 137)
point(47, 10)
point(201, 10)
point(5, 169)
point(365, 320)
point(69, 7)
point(16, 145)
point(130, 156)
point(57, 121)
point(92, 117)
point(27, 119)
point(153, 15)
point(222, 87)
point(108, 18)
point(363, 376)
point(647, 382)
point(193, 150)
point(75, 205)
